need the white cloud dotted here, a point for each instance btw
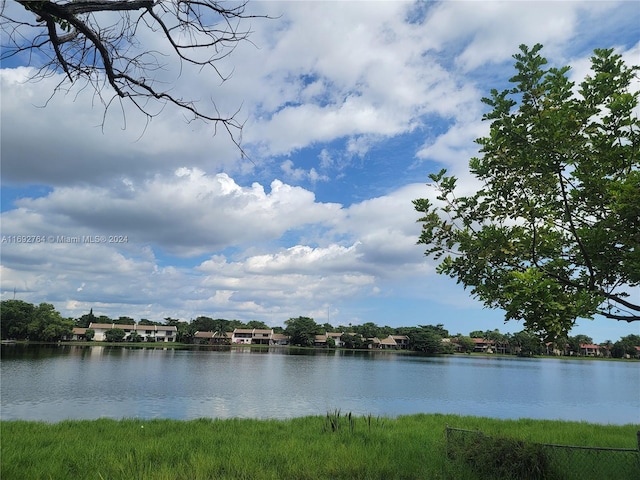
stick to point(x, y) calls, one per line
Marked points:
point(456, 146)
point(300, 174)
point(65, 143)
point(378, 243)
point(347, 102)
point(187, 213)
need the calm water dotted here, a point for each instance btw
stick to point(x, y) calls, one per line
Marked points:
point(56, 383)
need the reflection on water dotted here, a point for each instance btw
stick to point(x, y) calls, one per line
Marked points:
point(53, 383)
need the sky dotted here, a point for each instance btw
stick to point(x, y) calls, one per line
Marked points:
point(347, 107)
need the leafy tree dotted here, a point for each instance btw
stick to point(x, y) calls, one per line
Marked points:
point(19, 319)
point(466, 344)
point(257, 324)
point(354, 341)
point(85, 320)
point(437, 329)
point(47, 325)
point(327, 327)
point(367, 330)
point(89, 334)
point(348, 340)
point(446, 346)
point(204, 324)
point(134, 337)
point(385, 331)
point(184, 332)
point(114, 335)
point(117, 47)
point(143, 321)
point(426, 340)
point(128, 321)
point(626, 346)
point(57, 329)
point(207, 324)
point(15, 315)
point(553, 234)
point(302, 331)
point(575, 342)
point(526, 344)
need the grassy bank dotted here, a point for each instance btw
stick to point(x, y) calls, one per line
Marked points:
point(324, 447)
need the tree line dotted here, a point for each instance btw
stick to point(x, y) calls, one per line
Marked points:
point(23, 320)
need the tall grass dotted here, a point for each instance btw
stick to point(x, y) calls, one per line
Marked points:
point(335, 446)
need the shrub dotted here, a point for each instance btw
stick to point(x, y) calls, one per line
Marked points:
point(502, 458)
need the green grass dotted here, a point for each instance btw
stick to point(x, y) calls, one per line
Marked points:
point(335, 446)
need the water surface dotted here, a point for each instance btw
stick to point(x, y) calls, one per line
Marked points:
point(59, 382)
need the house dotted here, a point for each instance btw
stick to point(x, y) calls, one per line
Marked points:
point(280, 339)
point(242, 335)
point(262, 336)
point(483, 345)
point(101, 328)
point(211, 338)
point(78, 334)
point(388, 343)
point(553, 349)
point(336, 338)
point(320, 341)
point(589, 350)
point(163, 333)
point(252, 336)
point(149, 333)
point(402, 341)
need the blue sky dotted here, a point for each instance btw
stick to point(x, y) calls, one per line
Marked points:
point(348, 106)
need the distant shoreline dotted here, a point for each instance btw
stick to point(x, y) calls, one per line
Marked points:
point(189, 346)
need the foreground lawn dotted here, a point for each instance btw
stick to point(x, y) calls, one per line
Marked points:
point(335, 446)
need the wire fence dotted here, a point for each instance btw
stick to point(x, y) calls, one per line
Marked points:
point(472, 454)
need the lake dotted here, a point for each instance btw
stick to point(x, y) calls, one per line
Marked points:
point(54, 383)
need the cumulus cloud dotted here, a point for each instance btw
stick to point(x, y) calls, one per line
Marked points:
point(192, 213)
point(353, 103)
point(187, 213)
point(61, 140)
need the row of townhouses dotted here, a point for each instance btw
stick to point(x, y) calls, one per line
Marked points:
point(149, 333)
point(257, 336)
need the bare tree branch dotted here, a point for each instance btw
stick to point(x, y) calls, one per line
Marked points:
point(100, 42)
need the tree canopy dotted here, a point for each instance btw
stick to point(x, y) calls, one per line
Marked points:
point(552, 233)
point(302, 331)
point(19, 319)
point(122, 49)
